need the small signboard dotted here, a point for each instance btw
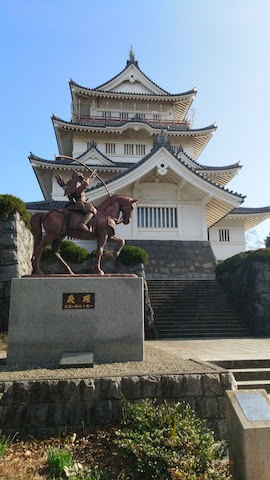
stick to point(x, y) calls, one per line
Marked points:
point(254, 406)
point(78, 300)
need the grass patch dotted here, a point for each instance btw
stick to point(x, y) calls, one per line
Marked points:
point(58, 459)
point(4, 443)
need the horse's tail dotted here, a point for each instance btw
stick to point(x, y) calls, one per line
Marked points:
point(36, 221)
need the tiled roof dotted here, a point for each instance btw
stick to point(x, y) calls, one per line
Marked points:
point(137, 120)
point(249, 211)
point(156, 147)
point(66, 161)
point(135, 63)
point(46, 205)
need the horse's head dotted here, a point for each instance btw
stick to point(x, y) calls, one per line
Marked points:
point(127, 209)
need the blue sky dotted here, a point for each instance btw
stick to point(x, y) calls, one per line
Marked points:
point(222, 48)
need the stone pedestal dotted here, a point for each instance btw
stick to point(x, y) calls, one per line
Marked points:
point(248, 420)
point(53, 315)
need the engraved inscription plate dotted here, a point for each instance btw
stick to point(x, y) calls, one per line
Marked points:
point(78, 300)
point(254, 406)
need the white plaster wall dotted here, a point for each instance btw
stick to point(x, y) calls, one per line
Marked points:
point(237, 243)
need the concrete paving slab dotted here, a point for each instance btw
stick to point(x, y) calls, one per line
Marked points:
point(210, 349)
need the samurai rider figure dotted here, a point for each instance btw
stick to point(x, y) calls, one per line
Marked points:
point(75, 191)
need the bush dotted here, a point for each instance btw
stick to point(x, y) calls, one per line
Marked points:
point(133, 255)
point(10, 204)
point(69, 251)
point(4, 443)
point(106, 254)
point(169, 441)
point(231, 264)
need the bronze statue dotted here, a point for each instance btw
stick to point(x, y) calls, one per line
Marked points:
point(68, 221)
point(74, 190)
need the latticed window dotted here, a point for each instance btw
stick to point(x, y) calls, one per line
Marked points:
point(128, 149)
point(141, 116)
point(224, 235)
point(156, 117)
point(110, 147)
point(124, 116)
point(157, 217)
point(140, 149)
point(106, 115)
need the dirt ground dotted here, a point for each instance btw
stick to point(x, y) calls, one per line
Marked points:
point(26, 459)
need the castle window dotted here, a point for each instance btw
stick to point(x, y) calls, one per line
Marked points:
point(156, 118)
point(110, 147)
point(128, 149)
point(224, 235)
point(157, 217)
point(141, 116)
point(124, 116)
point(140, 149)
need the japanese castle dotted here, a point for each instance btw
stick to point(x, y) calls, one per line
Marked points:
point(140, 139)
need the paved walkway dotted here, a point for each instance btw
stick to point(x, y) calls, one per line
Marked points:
point(216, 348)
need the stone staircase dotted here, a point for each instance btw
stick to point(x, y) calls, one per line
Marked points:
point(193, 309)
point(249, 374)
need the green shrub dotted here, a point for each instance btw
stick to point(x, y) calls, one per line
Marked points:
point(231, 264)
point(69, 251)
point(132, 255)
point(58, 459)
point(73, 253)
point(10, 204)
point(169, 441)
point(106, 254)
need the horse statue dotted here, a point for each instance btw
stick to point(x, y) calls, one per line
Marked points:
point(61, 222)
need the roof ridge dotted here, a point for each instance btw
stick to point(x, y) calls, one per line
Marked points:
point(155, 148)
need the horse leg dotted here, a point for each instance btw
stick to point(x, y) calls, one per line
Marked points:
point(101, 240)
point(120, 243)
point(55, 254)
point(46, 240)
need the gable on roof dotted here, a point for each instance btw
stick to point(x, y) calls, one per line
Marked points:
point(93, 156)
point(132, 80)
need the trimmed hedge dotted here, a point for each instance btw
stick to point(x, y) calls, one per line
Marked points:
point(106, 254)
point(133, 255)
point(69, 251)
point(231, 264)
point(10, 204)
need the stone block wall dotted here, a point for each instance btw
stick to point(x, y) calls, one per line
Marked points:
point(249, 288)
point(16, 247)
point(178, 259)
point(51, 406)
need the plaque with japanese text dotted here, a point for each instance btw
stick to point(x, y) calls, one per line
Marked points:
point(78, 301)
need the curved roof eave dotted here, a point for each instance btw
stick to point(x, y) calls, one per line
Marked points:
point(60, 164)
point(170, 129)
point(250, 211)
point(135, 64)
point(186, 165)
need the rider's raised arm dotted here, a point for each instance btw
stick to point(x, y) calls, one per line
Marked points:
point(91, 178)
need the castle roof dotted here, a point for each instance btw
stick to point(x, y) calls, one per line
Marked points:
point(64, 131)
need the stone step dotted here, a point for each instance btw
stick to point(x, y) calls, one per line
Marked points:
point(247, 374)
point(194, 335)
point(254, 384)
point(243, 364)
point(193, 308)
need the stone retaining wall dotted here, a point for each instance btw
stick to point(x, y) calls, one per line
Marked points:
point(249, 289)
point(178, 259)
point(50, 406)
point(16, 247)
